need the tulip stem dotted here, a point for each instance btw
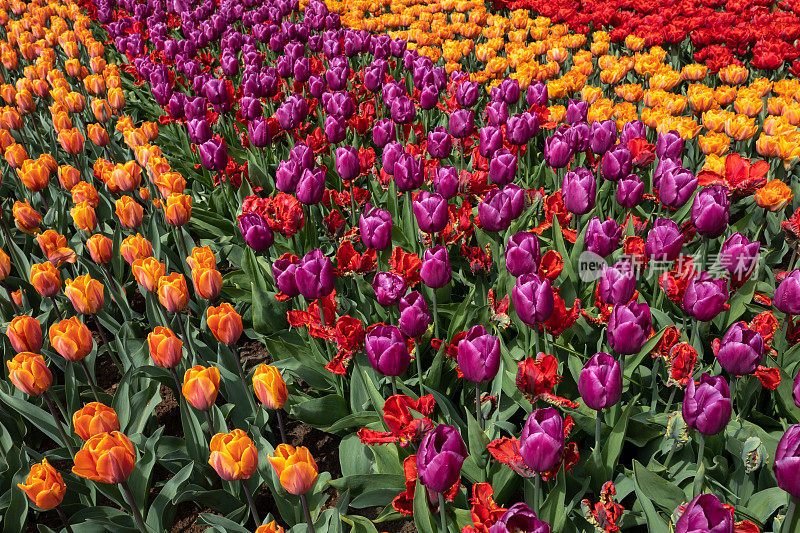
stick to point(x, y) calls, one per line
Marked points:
point(478, 412)
point(700, 452)
point(137, 516)
point(55, 306)
point(250, 502)
point(394, 385)
point(535, 342)
point(186, 340)
point(57, 420)
point(210, 424)
point(11, 300)
point(63, 518)
point(307, 513)
point(281, 427)
point(442, 513)
point(598, 430)
point(418, 359)
point(668, 460)
point(654, 384)
point(111, 353)
point(435, 314)
point(791, 517)
point(537, 480)
point(92, 384)
point(242, 377)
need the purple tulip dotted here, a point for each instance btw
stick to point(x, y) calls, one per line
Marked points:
point(335, 129)
point(557, 151)
point(740, 350)
point(578, 136)
point(446, 181)
point(479, 355)
point(542, 440)
point(576, 111)
point(519, 518)
point(382, 132)
point(602, 238)
point(630, 191)
point(214, 155)
point(616, 163)
point(461, 123)
point(497, 113)
point(386, 350)
point(348, 165)
point(669, 145)
point(256, 232)
point(705, 514)
point(517, 130)
point(199, 130)
point(629, 327)
point(787, 295)
point(676, 186)
point(284, 270)
point(508, 91)
point(600, 382)
point(435, 271)
point(409, 172)
point(578, 191)
point(430, 210)
point(258, 133)
point(439, 458)
point(314, 275)
point(375, 226)
point(391, 153)
point(251, 107)
point(403, 110)
point(796, 389)
point(787, 461)
point(738, 255)
point(634, 129)
point(490, 140)
point(439, 143)
point(429, 97)
point(502, 167)
point(710, 211)
point(602, 136)
point(617, 284)
point(414, 315)
point(707, 404)
point(533, 299)
point(537, 94)
point(311, 186)
point(389, 288)
point(303, 154)
point(467, 93)
point(522, 254)
point(664, 241)
point(705, 297)
point(287, 175)
point(317, 86)
point(495, 211)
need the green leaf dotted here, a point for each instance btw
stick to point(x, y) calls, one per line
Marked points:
point(666, 495)
point(360, 524)
point(763, 504)
point(17, 511)
point(612, 448)
point(162, 510)
point(423, 518)
point(40, 419)
point(654, 522)
point(552, 509)
point(321, 412)
point(221, 524)
point(359, 420)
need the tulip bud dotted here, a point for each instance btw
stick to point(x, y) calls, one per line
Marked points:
point(440, 456)
point(166, 349)
point(44, 486)
point(386, 350)
point(600, 382)
point(786, 466)
point(71, 339)
point(479, 355)
point(225, 323)
point(740, 350)
point(200, 386)
point(234, 455)
point(85, 293)
point(435, 271)
point(94, 418)
point(707, 404)
point(542, 440)
point(295, 467)
point(629, 327)
point(705, 297)
point(269, 387)
point(25, 334)
point(414, 315)
point(106, 458)
point(45, 278)
point(617, 284)
point(705, 513)
point(29, 373)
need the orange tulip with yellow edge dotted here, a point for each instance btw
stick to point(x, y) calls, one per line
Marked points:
point(16, 155)
point(225, 323)
point(106, 458)
point(29, 373)
point(54, 247)
point(148, 271)
point(129, 212)
point(85, 293)
point(116, 98)
point(98, 135)
point(135, 247)
point(44, 486)
point(71, 339)
point(178, 210)
point(269, 386)
point(101, 110)
point(725, 94)
point(169, 183)
point(34, 175)
point(150, 130)
point(68, 176)
point(100, 248)
point(774, 196)
point(207, 282)
point(25, 334)
point(733, 74)
point(5, 265)
point(25, 102)
point(45, 278)
point(173, 292)
point(201, 386)
point(233, 455)
point(125, 178)
point(714, 143)
point(75, 102)
point(201, 257)
point(84, 217)
point(71, 140)
point(10, 118)
point(83, 191)
point(272, 527)
point(166, 349)
point(94, 418)
point(295, 468)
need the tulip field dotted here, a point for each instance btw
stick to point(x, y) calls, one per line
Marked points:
point(372, 266)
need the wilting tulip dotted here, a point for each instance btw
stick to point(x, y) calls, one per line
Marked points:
point(106, 458)
point(166, 349)
point(25, 334)
point(629, 327)
point(94, 418)
point(85, 293)
point(602, 238)
point(45, 278)
point(617, 284)
point(787, 461)
point(44, 486)
point(200, 386)
point(375, 227)
point(225, 323)
point(600, 382)
point(542, 440)
point(314, 275)
point(388, 287)
point(430, 210)
point(578, 191)
point(664, 241)
point(295, 467)
point(414, 315)
point(710, 211)
point(29, 373)
point(234, 455)
point(148, 272)
point(100, 248)
point(71, 339)
point(269, 387)
point(440, 456)
point(435, 271)
point(533, 299)
point(740, 350)
point(207, 282)
point(787, 295)
point(178, 210)
point(738, 255)
point(386, 350)
point(255, 231)
point(705, 297)
point(479, 355)
point(173, 292)
point(705, 513)
point(707, 404)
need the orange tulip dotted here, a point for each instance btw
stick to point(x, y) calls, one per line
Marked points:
point(94, 418)
point(774, 195)
point(5, 265)
point(125, 178)
point(71, 140)
point(15, 155)
point(98, 134)
point(200, 386)
point(44, 486)
point(150, 130)
point(270, 387)
point(83, 191)
point(45, 278)
point(84, 217)
point(225, 323)
point(75, 102)
point(166, 349)
point(26, 217)
point(295, 467)
point(85, 293)
point(148, 272)
point(34, 175)
point(207, 282)
point(201, 257)
point(25, 102)
point(106, 458)
point(29, 373)
point(25, 334)
point(101, 110)
point(100, 248)
point(179, 209)
point(129, 212)
point(116, 98)
point(233, 455)
point(55, 249)
point(135, 247)
point(71, 339)
point(272, 527)
point(17, 297)
point(10, 119)
point(169, 183)
point(173, 292)
point(48, 161)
